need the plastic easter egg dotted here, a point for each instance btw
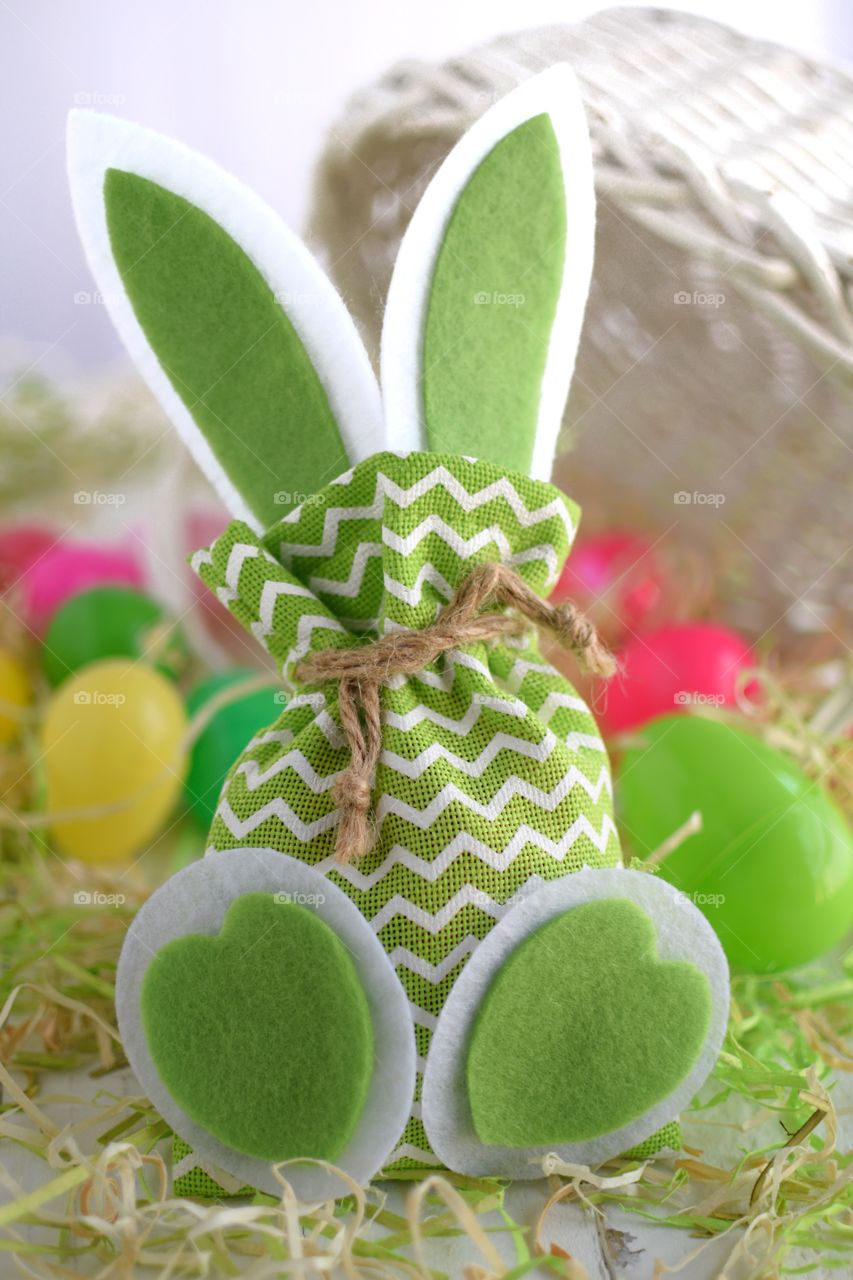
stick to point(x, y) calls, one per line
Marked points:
point(21, 545)
point(112, 738)
point(771, 868)
point(621, 570)
point(222, 634)
point(14, 692)
point(225, 736)
point(675, 668)
point(70, 567)
point(108, 622)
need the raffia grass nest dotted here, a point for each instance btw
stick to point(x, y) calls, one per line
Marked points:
point(711, 400)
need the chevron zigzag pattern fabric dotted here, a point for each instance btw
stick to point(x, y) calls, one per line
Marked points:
point(493, 771)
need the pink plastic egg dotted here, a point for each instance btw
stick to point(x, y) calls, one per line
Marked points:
point(676, 668)
point(203, 525)
point(21, 545)
point(621, 571)
point(70, 567)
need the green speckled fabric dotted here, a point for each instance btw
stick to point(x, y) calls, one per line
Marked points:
point(493, 771)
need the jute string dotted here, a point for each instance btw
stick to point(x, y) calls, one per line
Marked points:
point(361, 672)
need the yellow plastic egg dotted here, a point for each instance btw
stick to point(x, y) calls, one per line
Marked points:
point(14, 692)
point(112, 741)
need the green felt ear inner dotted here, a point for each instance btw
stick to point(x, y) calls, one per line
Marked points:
point(583, 1029)
point(493, 300)
point(228, 348)
point(263, 1034)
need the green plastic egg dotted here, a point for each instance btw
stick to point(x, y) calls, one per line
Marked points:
point(771, 868)
point(224, 738)
point(109, 622)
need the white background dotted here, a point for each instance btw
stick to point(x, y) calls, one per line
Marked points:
point(253, 83)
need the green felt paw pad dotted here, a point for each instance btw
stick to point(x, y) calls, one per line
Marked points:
point(583, 1029)
point(262, 1034)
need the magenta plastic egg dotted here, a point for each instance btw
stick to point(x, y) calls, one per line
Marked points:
point(201, 527)
point(21, 545)
point(677, 667)
point(70, 567)
point(619, 570)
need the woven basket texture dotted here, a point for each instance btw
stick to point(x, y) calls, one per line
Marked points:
point(711, 400)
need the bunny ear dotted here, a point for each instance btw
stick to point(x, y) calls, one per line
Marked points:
point(487, 298)
point(235, 327)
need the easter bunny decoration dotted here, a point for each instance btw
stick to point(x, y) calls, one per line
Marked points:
point(411, 942)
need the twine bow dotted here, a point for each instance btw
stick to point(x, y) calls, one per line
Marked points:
point(361, 672)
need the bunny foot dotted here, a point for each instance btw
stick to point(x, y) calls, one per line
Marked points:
point(265, 1021)
point(587, 1019)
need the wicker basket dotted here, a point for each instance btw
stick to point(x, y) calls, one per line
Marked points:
point(712, 395)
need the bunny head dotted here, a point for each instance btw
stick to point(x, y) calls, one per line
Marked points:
point(251, 351)
point(415, 1023)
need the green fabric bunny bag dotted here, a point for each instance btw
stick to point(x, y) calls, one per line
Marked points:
point(411, 942)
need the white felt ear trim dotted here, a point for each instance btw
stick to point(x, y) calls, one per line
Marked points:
point(683, 934)
point(327, 331)
point(195, 901)
point(556, 92)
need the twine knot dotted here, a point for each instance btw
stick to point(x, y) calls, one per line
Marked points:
point(361, 671)
point(357, 791)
